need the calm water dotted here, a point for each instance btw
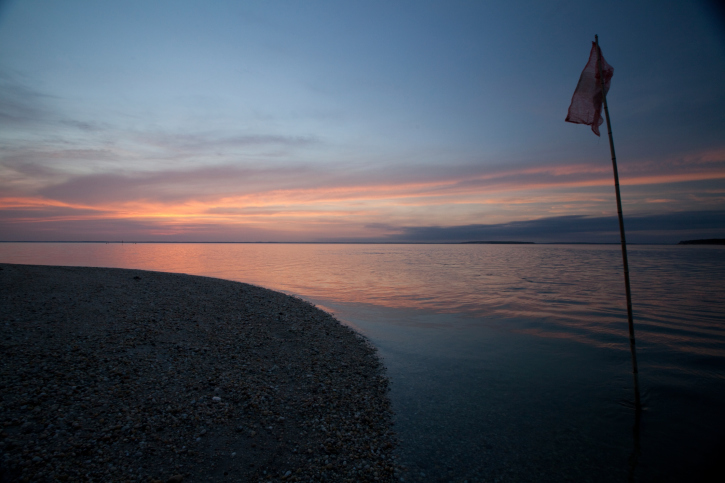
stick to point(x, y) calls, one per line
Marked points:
point(508, 362)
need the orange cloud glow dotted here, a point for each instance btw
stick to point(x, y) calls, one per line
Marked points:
point(173, 203)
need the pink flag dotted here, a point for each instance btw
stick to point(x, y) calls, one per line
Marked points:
point(586, 103)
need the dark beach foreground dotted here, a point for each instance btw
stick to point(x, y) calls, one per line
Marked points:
point(128, 375)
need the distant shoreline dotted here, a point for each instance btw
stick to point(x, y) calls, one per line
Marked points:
point(497, 243)
point(124, 242)
point(707, 241)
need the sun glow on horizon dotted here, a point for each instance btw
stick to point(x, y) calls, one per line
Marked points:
point(343, 121)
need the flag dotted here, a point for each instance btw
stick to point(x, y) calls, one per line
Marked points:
point(586, 103)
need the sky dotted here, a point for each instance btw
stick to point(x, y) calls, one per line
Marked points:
point(380, 121)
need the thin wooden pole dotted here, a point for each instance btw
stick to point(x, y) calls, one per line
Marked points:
point(630, 319)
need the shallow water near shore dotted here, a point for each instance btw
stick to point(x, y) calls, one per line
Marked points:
point(507, 362)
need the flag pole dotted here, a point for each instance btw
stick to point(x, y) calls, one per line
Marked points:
point(630, 319)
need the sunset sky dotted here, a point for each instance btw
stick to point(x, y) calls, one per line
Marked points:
point(356, 121)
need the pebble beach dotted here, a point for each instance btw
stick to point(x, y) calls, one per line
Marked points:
point(129, 375)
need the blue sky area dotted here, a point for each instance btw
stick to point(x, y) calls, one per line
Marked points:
point(356, 121)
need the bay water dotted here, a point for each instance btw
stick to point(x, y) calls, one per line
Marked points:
point(507, 362)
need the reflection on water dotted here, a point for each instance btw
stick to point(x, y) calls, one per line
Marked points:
point(507, 361)
point(572, 292)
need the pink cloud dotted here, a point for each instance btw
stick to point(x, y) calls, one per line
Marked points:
point(297, 199)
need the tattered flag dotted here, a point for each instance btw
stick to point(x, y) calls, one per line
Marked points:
point(586, 103)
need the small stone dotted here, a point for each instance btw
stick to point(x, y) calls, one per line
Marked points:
point(175, 479)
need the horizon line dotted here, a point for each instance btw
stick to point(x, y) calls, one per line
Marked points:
point(473, 242)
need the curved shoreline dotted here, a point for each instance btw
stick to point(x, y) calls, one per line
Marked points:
point(130, 375)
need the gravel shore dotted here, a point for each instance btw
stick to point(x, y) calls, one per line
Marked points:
point(128, 375)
